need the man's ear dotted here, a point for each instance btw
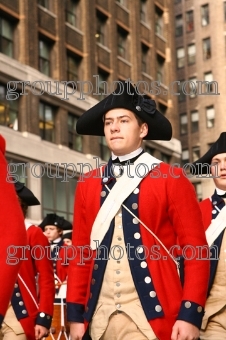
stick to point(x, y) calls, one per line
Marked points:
point(144, 130)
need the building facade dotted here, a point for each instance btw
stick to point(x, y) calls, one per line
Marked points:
point(200, 30)
point(58, 58)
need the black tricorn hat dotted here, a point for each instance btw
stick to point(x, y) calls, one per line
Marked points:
point(216, 148)
point(67, 235)
point(56, 221)
point(25, 194)
point(126, 96)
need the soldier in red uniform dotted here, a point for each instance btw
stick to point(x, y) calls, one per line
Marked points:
point(12, 233)
point(29, 314)
point(53, 227)
point(141, 210)
point(213, 209)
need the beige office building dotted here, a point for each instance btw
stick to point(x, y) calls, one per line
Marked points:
point(200, 30)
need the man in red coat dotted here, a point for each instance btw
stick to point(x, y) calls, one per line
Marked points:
point(30, 311)
point(12, 233)
point(213, 163)
point(128, 221)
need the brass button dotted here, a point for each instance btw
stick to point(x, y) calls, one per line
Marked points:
point(199, 309)
point(136, 191)
point(158, 308)
point(21, 303)
point(135, 221)
point(187, 304)
point(17, 294)
point(143, 264)
point(90, 296)
point(42, 315)
point(147, 279)
point(134, 206)
point(95, 266)
point(93, 281)
point(86, 309)
point(152, 294)
point(24, 311)
point(103, 194)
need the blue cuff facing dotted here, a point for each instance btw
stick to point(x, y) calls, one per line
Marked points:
point(191, 312)
point(44, 320)
point(75, 312)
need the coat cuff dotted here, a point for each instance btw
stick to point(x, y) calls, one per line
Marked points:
point(75, 312)
point(191, 312)
point(44, 320)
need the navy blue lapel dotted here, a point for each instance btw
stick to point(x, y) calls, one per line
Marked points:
point(217, 202)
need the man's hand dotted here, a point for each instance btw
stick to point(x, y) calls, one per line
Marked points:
point(40, 332)
point(183, 330)
point(77, 330)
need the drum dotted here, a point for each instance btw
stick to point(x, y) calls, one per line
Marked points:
point(59, 328)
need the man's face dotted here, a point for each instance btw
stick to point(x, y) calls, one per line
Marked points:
point(122, 131)
point(218, 168)
point(51, 232)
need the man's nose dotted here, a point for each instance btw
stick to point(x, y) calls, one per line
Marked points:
point(223, 165)
point(114, 126)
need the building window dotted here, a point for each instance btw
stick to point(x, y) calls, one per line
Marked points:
point(179, 25)
point(145, 59)
point(101, 29)
point(159, 22)
point(192, 87)
point(205, 15)
point(180, 57)
point(160, 68)
point(73, 63)
point(123, 43)
point(44, 57)
point(190, 21)
point(9, 109)
point(58, 196)
point(185, 157)
point(183, 124)
point(143, 10)
point(165, 158)
point(44, 3)
point(206, 48)
point(104, 151)
point(46, 122)
point(208, 78)
point(181, 90)
point(194, 121)
point(195, 153)
point(210, 116)
point(191, 54)
point(72, 13)
point(6, 37)
point(198, 190)
point(74, 140)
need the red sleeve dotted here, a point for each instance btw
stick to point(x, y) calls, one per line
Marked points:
point(13, 233)
point(44, 269)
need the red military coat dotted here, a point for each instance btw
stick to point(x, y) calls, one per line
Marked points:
point(36, 262)
point(12, 232)
point(168, 206)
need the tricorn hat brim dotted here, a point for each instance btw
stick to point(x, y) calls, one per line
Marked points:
point(126, 97)
point(25, 194)
point(56, 221)
point(202, 165)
